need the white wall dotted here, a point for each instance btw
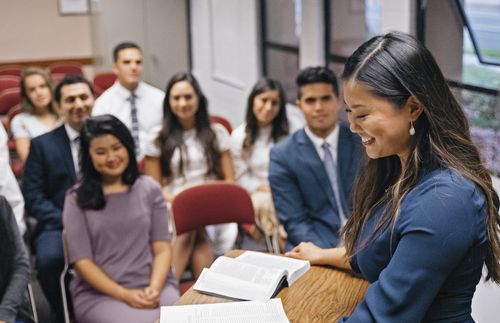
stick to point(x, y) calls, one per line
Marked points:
point(225, 53)
point(34, 30)
point(158, 26)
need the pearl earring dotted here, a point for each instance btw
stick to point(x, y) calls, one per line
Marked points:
point(412, 129)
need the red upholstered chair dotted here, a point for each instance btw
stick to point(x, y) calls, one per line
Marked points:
point(104, 80)
point(222, 121)
point(13, 70)
point(8, 82)
point(8, 99)
point(66, 68)
point(211, 203)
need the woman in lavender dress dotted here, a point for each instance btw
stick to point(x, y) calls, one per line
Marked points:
point(117, 232)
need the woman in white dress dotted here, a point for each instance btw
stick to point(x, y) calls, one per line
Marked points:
point(39, 114)
point(266, 123)
point(190, 151)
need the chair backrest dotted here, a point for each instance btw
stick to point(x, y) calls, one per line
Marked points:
point(211, 203)
point(8, 99)
point(66, 68)
point(8, 82)
point(67, 270)
point(104, 80)
point(14, 70)
point(222, 121)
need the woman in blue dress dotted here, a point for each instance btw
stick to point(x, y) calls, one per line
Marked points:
point(425, 216)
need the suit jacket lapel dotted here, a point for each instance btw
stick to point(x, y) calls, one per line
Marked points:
point(310, 157)
point(64, 147)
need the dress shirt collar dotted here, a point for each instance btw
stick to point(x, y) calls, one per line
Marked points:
point(332, 139)
point(125, 93)
point(72, 133)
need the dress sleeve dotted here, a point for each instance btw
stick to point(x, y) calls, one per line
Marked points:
point(159, 216)
point(436, 229)
point(78, 238)
point(222, 135)
point(18, 127)
point(151, 149)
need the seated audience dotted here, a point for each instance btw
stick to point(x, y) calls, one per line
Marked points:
point(39, 114)
point(425, 216)
point(191, 151)
point(117, 232)
point(14, 267)
point(137, 104)
point(266, 123)
point(9, 187)
point(312, 171)
point(51, 168)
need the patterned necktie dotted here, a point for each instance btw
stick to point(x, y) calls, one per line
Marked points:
point(135, 121)
point(331, 170)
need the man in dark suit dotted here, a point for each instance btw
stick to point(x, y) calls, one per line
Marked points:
point(312, 172)
point(51, 168)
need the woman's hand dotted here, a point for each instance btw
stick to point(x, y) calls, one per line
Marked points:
point(152, 294)
point(169, 197)
point(308, 251)
point(137, 298)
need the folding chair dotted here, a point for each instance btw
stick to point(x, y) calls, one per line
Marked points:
point(66, 68)
point(8, 99)
point(8, 82)
point(222, 121)
point(67, 271)
point(14, 70)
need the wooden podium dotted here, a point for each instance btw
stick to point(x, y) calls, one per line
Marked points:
point(323, 294)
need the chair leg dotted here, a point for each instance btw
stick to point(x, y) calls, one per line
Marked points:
point(64, 294)
point(32, 302)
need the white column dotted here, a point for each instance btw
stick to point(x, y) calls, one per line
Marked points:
point(312, 46)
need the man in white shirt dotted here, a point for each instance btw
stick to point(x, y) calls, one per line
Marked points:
point(137, 104)
point(311, 173)
point(50, 170)
point(9, 187)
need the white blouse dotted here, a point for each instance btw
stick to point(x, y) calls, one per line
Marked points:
point(194, 160)
point(251, 172)
point(25, 125)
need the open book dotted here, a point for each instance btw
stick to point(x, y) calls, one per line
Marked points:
point(242, 312)
point(252, 276)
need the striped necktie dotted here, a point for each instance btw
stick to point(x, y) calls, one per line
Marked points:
point(331, 170)
point(135, 121)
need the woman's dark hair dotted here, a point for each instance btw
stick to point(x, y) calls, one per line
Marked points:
point(89, 192)
point(397, 67)
point(171, 135)
point(26, 103)
point(280, 127)
point(7, 248)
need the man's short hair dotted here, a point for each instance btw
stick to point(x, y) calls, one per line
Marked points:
point(122, 46)
point(68, 80)
point(317, 74)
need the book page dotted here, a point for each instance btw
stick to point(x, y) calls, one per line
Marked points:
point(293, 267)
point(242, 312)
point(230, 278)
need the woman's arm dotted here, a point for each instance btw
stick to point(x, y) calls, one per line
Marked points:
point(152, 167)
point(98, 279)
point(226, 163)
point(162, 259)
point(23, 147)
point(335, 257)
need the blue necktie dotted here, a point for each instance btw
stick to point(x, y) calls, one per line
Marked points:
point(331, 170)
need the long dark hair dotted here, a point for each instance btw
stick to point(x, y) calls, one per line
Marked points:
point(7, 247)
point(280, 127)
point(171, 135)
point(89, 192)
point(395, 66)
point(27, 105)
